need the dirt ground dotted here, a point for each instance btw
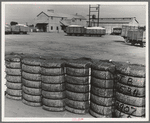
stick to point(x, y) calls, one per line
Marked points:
point(60, 45)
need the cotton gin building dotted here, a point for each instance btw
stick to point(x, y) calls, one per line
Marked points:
point(110, 23)
point(48, 21)
point(55, 22)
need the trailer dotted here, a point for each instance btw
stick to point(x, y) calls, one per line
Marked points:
point(15, 29)
point(134, 35)
point(95, 31)
point(117, 31)
point(19, 29)
point(78, 30)
point(137, 36)
point(125, 29)
point(7, 29)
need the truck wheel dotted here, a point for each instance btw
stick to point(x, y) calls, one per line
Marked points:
point(132, 43)
point(21, 32)
point(126, 40)
point(141, 44)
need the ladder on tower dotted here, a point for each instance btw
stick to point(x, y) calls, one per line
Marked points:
point(91, 11)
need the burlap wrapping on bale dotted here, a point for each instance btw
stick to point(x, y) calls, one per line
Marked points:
point(14, 72)
point(53, 103)
point(77, 96)
point(34, 104)
point(13, 97)
point(130, 80)
point(13, 92)
point(130, 90)
point(55, 109)
point(102, 74)
point(77, 80)
point(76, 111)
point(102, 92)
point(120, 114)
point(53, 63)
point(31, 56)
point(14, 65)
point(77, 71)
point(31, 84)
point(53, 87)
point(15, 86)
point(103, 66)
point(53, 79)
point(77, 104)
point(131, 110)
point(134, 101)
point(102, 83)
point(78, 63)
point(94, 114)
point(31, 61)
point(52, 71)
point(103, 110)
point(103, 101)
point(14, 79)
point(13, 58)
point(31, 69)
point(32, 91)
point(31, 98)
point(53, 95)
point(134, 70)
point(77, 88)
point(29, 76)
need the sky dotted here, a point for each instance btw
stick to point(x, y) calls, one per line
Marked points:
point(26, 13)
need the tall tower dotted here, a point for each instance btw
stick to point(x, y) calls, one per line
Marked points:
point(92, 10)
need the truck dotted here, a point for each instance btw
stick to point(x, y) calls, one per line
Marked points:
point(7, 29)
point(19, 29)
point(117, 31)
point(75, 30)
point(134, 35)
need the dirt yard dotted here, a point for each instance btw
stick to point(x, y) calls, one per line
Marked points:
point(60, 45)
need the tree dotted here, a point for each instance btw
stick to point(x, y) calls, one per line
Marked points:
point(13, 23)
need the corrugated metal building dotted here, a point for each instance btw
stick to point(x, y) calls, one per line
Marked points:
point(110, 23)
point(52, 22)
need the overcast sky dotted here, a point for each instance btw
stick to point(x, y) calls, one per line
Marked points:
point(23, 13)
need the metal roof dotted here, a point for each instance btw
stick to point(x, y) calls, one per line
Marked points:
point(115, 20)
point(60, 15)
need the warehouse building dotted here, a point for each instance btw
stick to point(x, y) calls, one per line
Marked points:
point(110, 23)
point(54, 22)
point(74, 20)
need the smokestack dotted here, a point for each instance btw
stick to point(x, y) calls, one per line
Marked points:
point(50, 10)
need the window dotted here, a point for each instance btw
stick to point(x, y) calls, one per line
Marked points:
point(73, 20)
point(57, 28)
point(80, 19)
point(51, 27)
point(52, 18)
